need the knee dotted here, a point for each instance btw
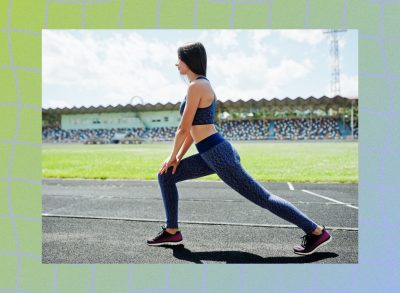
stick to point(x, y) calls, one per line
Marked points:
point(166, 177)
point(161, 177)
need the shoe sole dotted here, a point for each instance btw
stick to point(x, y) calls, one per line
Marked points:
point(165, 243)
point(315, 249)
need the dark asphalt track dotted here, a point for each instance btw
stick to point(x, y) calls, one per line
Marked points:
point(108, 221)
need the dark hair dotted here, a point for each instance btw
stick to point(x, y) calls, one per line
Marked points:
point(195, 57)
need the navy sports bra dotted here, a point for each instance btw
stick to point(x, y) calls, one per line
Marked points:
point(203, 115)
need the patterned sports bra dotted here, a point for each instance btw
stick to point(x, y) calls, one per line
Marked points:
point(203, 115)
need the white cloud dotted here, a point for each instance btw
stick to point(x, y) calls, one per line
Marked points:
point(250, 76)
point(311, 37)
point(85, 68)
point(225, 38)
point(258, 42)
point(289, 69)
point(121, 66)
point(259, 35)
point(348, 86)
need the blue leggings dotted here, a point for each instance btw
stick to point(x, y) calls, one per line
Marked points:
point(217, 156)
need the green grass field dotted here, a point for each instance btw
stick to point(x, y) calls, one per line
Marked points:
point(274, 162)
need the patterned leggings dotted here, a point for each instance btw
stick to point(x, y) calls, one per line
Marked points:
point(224, 160)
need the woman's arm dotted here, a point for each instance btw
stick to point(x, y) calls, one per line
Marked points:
point(183, 131)
point(186, 145)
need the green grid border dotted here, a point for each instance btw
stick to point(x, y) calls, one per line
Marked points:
point(21, 22)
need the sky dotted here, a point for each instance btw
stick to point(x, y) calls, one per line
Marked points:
point(111, 67)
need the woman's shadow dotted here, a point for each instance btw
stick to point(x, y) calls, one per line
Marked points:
point(180, 252)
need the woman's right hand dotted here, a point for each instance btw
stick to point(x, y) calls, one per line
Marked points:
point(168, 163)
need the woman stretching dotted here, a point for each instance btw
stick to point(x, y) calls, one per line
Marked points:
point(216, 156)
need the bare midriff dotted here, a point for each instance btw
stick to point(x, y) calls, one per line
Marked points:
point(200, 132)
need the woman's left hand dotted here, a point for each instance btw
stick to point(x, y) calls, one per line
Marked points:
point(170, 161)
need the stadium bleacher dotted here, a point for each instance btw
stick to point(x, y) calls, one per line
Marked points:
point(305, 129)
point(160, 133)
point(243, 130)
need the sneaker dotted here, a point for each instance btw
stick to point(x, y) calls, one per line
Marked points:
point(165, 238)
point(312, 242)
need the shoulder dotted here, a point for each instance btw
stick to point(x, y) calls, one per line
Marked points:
point(196, 87)
point(199, 84)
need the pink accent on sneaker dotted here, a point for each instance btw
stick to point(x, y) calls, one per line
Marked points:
point(165, 238)
point(312, 242)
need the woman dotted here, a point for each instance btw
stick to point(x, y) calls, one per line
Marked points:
point(216, 155)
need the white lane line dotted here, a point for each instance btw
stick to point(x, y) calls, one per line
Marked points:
point(290, 186)
point(330, 199)
point(188, 222)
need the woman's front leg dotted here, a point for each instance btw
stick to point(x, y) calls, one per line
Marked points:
point(189, 168)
